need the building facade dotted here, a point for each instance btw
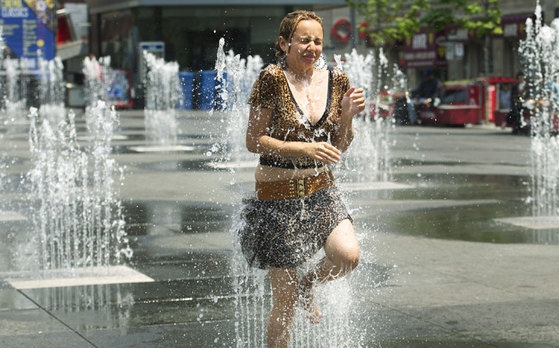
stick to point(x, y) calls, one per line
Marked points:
point(188, 32)
point(458, 54)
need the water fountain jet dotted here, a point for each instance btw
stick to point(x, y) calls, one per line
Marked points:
point(160, 114)
point(65, 237)
point(252, 293)
point(367, 163)
point(76, 223)
point(539, 54)
point(234, 77)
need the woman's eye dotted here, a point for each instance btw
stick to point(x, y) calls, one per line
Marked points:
point(307, 41)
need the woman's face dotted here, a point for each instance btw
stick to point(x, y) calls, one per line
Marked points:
point(305, 47)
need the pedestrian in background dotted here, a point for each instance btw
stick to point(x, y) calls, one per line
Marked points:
point(518, 96)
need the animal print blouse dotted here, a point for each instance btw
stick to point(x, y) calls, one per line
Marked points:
point(271, 91)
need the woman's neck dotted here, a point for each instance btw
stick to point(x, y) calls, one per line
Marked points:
point(300, 75)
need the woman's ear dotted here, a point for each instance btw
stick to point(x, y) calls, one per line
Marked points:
point(284, 45)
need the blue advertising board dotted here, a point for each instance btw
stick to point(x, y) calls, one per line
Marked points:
point(29, 30)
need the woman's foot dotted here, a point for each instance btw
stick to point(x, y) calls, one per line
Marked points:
point(307, 303)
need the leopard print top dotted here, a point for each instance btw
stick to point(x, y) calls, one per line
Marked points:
point(271, 91)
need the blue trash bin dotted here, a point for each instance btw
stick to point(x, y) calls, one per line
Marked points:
point(206, 101)
point(186, 80)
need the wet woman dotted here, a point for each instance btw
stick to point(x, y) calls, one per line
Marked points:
point(300, 123)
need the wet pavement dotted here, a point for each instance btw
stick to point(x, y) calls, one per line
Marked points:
point(442, 266)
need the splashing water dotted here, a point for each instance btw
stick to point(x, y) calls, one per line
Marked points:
point(51, 85)
point(162, 93)
point(338, 326)
point(15, 103)
point(75, 225)
point(3, 160)
point(368, 158)
point(13, 96)
point(235, 76)
point(12, 113)
point(77, 219)
point(540, 61)
point(75, 216)
point(94, 70)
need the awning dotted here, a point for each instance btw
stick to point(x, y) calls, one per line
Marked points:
point(514, 26)
point(71, 49)
point(67, 43)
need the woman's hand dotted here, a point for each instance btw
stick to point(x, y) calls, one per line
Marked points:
point(323, 152)
point(353, 102)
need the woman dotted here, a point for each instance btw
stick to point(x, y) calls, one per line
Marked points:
point(300, 123)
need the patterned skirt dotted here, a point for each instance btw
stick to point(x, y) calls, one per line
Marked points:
point(287, 233)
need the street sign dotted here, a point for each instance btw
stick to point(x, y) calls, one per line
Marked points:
point(28, 30)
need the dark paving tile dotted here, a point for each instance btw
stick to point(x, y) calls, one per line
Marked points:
point(195, 335)
point(142, 217)
point(36, 328)
point(189, 264)
point(46, 340)
point(11, 299)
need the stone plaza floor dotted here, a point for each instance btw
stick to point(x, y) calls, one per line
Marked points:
point(451, 254)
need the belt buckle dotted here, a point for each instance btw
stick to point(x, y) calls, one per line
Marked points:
point(300, 188)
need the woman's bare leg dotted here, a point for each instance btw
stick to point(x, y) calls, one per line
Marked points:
point(342, 256)
point(284, 300)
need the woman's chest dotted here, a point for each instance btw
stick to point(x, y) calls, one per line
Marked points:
point(310, 97)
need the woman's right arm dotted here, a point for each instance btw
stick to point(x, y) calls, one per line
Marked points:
point(258, 141)
point(257, 138)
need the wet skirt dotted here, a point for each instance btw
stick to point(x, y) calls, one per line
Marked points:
point(286, 233)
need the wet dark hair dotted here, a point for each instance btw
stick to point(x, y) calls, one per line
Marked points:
point(288, 26)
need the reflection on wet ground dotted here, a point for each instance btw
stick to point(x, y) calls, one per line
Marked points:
point(459, 207)
point(449, 206)
point(174, 217)
point(186, 165)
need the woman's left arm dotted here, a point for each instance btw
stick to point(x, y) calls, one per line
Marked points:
point(353, 103)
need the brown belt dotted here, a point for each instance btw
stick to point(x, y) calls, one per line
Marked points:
point(296, 188)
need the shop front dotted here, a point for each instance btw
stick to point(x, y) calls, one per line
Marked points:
point(424, 51)
point(190, 35)
point(458, 54)
point(190, 32)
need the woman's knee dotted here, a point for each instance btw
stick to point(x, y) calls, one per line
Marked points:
point(342, 247)
point(344, 257)
point(351, 257)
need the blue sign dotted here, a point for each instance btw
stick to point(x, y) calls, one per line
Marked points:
point(28, 30)
point(152, 46)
